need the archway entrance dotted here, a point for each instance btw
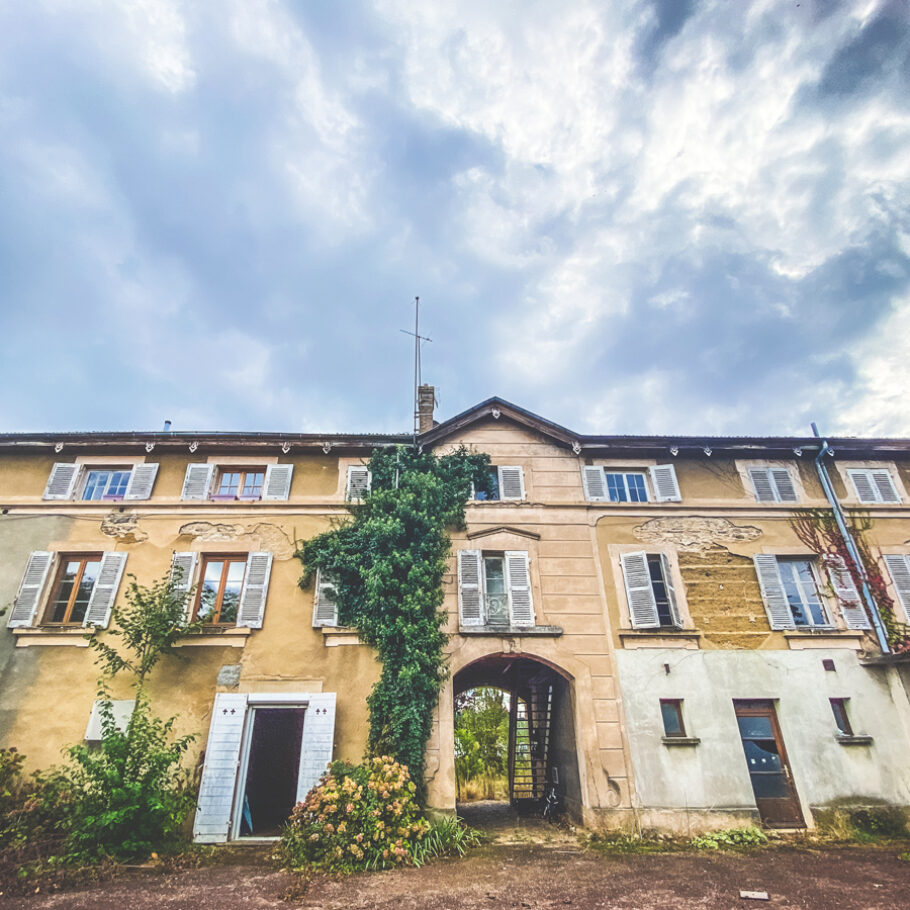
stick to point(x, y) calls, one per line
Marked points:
point(541, 730)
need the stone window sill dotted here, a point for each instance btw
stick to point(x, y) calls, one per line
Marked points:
point(52, 635)
point(660, 638)
point(335, 636)
point(800, 640)
point(855, 739)
point(510, 631)
point(680, 740)
point(225, 637)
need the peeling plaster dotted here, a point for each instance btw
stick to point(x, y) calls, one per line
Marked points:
point(124, 526)
point(268, 536)
point(694, 533)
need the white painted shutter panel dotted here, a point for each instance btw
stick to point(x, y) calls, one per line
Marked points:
point(142, 479)
point(862, 483)
point(772, 592)
point(469, 594)
point(104, 593)
point(885, 486)
point(325, 610)
point(761, 484)
point(219, 773)
point(255, 590)
point(277, 481)
point(595, 485)
point(316, 744)
point(198, 481)
point(851, 606)
point(899, 570)
point(358, 482)
point(183, 566)
point(62, 481)
point(511, 482)
point(786, 491)
point(122, 710)
point(26, 603)
point(663, 479)
point(671, 591)
point(521, 609)
point(640, 594)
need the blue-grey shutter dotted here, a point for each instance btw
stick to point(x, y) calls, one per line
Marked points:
point(884, 485)
point(761, 484)
point(104, 593)
point(862, 483)
point(783, 482)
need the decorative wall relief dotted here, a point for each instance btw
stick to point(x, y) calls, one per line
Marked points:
point(694, 533)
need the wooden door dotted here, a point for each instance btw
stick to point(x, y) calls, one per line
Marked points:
point(769, 768)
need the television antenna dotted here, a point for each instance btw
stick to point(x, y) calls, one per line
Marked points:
point(417, 365)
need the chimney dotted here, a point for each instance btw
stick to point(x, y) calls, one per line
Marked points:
point(426, 403)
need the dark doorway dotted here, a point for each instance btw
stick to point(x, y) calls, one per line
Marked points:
point(272, 770)
point(769, 768)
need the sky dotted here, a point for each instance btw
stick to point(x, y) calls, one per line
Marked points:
point(663, 216)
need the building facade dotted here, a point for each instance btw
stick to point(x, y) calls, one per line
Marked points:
point(677, 656)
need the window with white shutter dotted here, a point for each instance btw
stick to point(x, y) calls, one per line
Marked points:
point(650, 592)
point(470, 606)
point(594, 483)
point(791, 592)
point(255, 590)
point(494, 589)
point(772, 592)
point(25, 606)
point(359, 481)
point(325, 608)
point(142, 479)
point(899, 569)
point(197, 483)
point(773, 485)
point(848, 597)
point(663, 479)
point(521, 608)
point(278, 481)
point(511, 482)
point(62, 481)
point(873, 485)
point(104, 592)
point(183, 571)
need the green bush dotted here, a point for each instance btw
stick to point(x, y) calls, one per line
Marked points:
point(730, 837)
point(448, 835)
point(357, 817)
point(879, 821)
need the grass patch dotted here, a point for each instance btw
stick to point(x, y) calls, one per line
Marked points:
point(731, 839)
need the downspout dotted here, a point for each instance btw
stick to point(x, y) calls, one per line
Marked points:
point(871, 608)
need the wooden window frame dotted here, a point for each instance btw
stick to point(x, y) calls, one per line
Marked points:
point(243, 471)
point(676, 704)
point(63, 559)
point(226, 558)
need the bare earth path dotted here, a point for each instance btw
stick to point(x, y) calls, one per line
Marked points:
point(526, 876)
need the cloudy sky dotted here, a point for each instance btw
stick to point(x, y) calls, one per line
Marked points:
point(630, 217)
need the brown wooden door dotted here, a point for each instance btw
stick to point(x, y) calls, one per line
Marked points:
point(769, 769)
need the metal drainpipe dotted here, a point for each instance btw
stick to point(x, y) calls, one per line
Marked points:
point(825, 449)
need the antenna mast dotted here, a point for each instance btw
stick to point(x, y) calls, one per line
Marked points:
point(417, 377)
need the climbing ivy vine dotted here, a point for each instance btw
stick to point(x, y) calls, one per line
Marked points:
point(386, 562)
point(818, 530)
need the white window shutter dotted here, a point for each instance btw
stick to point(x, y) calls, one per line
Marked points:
point(851, 606)
point(884, 486)
point(255, 590)
point(772, 592)
point(511, 482)
point(183, 567)
point(862, 483)
point(671, 590)
point(198, 481)
point(277, 481)
point(786, 489)
point(595, 485)
point(521, 608)
point(25, 606)
point(121, 708)
point(104, 593)
point(142, 479)
point(761, 484)
point(219, 773)
point(640, 594)
point(359, 481)
point(899, 570)
point(663, 479)
point(470, 602)
point(62, 481)
point(317, 741)
point(325, 609)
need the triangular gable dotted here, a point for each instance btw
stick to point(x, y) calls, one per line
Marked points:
point(499, 409)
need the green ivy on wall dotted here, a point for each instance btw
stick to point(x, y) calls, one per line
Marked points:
point(387, 563)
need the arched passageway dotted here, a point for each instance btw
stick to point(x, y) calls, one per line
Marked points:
point(541, 749)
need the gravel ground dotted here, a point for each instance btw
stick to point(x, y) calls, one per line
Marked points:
point(524, 876)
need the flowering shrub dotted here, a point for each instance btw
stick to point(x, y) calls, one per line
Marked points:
point(357, 817)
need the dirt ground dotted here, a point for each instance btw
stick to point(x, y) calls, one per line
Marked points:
point(524, 876)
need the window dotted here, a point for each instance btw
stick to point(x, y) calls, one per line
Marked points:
point(228, 483)
point(73, 588)
point(801, 591)
point(620, 485)
point(220, 586)
point(671, 714)
point(101, 482)
point(325, 608)
point(506, 482)
point(899, 569)
point(494, 588)
point(105, 484)
point(839, 707)
point(873, 485)
point(359, 481)
point(650, 593)
point(82, 594)
point(773, 485)
point(240, 483)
